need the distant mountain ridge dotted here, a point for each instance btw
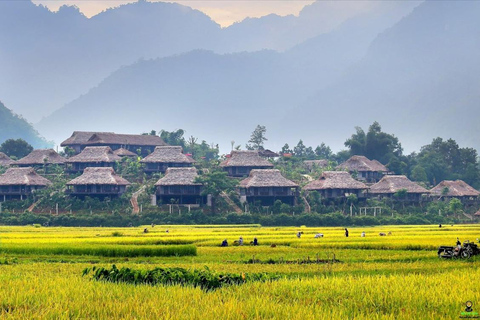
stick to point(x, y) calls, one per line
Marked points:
point(56, 57)
point(65, 53)
point(15, 127)
point(418, 78)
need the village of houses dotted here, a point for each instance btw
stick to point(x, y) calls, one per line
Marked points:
point(96, 155)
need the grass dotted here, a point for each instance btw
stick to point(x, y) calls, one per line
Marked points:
point(392, 277)
point(103, 250)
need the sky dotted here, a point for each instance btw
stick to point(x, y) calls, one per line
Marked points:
point(224, 12)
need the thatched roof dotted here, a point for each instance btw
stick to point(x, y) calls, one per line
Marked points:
point(109, 138)
point(95, 154)
point(266, 178)
point(310, 164)
point(268, 153)
point(245, 159)
point(335, 180)
point(23, 177)
point(5, 160)
point(167, 154)
point(456, 188)
point(122, 152)
point(78, 137)
point(392, 184)
point(179, 177)
point(99, 176)
point(41, 157)
point(361, 164)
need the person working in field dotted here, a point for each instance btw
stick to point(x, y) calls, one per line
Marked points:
point(459, 247)
point(240, 241)
point(255, 241)
point(346, 232)
point(224, 243)
point(363, 234)
point(299, 234)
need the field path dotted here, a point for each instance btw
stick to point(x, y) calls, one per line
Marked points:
point(134, 200)
point(231, 203)
point(307, 205)
point(30, 209)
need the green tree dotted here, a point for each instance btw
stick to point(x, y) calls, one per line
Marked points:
point(401, 194)
point(419, 174)
point(286, 149)
point(174, 138)
point(323, 151)
point(300, 150)
point(257, 138)
point(214, 183)
point(445, 159)
point(374, 144)
point(455, 206)
point(18, 148)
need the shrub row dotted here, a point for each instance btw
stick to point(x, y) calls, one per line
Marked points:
point(205, 279)
point(198, 218)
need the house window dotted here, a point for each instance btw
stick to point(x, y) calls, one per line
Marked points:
point(242, 170)
point(175, 189)
point(264, 191)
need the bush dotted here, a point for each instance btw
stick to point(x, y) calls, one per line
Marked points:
point(205, 279)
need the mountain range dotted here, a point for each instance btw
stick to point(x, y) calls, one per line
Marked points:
point(409, 65)
point(15, 127)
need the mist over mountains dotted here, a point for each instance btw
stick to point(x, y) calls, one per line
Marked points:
point(420, 79)
point(15, 127)
point(148, 66)
point(55, 57)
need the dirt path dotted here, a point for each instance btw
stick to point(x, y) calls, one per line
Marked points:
point(30, 209)
point(231, 203)
point(307, 205)
point(134, 200)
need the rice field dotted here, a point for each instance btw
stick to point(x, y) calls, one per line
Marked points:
point(397, 276)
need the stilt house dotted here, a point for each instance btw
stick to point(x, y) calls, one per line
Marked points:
point(92, 157)
point(389, 185)
point(18, 183)
point(337, 184)
point(365, 169)
point(267, 186)
point(97, 182)
point(459, 189)
point(41, 158)
point(166, 157)
point(179, 186)
point(240, 163)
point(132, 142)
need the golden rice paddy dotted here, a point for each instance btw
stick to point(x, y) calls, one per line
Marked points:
point(397, 276)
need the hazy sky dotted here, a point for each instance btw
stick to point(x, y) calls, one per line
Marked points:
point(224, 12)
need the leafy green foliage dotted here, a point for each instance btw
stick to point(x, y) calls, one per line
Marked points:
point(205, 279)
point(455, 206)
point(374, 144)
point(17, 149)
point(199, 151)
point(257, 138)
point(214, 182)
point(445, 160)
